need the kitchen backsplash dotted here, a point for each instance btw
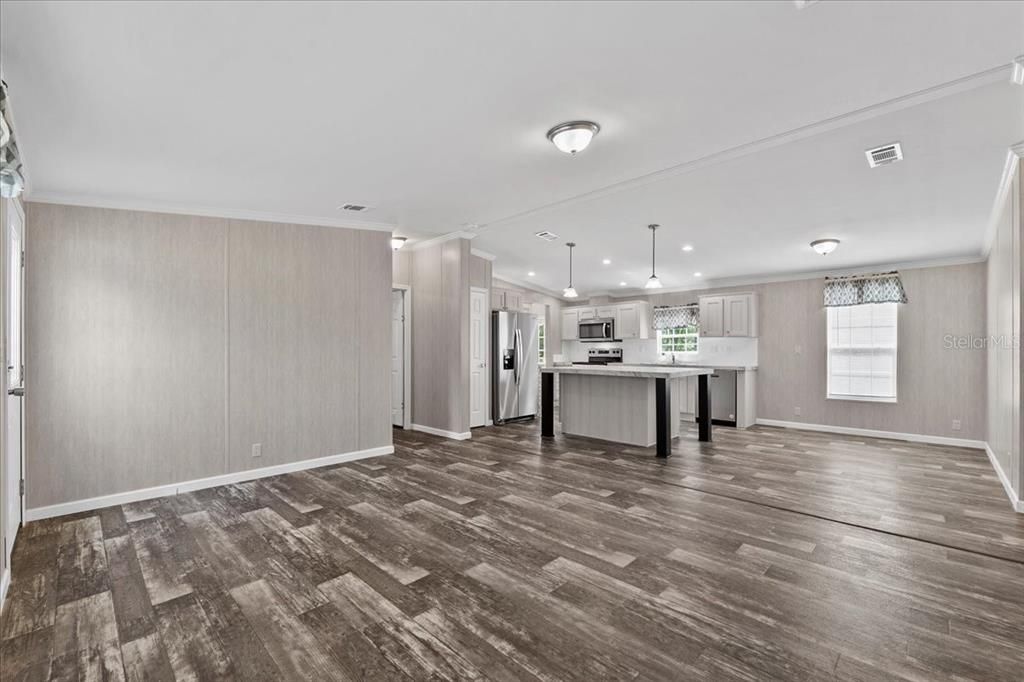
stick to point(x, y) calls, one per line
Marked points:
point(721, 351)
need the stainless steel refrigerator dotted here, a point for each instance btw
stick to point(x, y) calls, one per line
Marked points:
point(516, 374)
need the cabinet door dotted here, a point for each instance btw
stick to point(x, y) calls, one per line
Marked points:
point(607, 312)
point(586, 313)
point(497, 299)
point(712, 311)
point(737, 315)
point(628, 322)
point(570, 325)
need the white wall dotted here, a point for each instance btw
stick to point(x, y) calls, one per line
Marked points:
point(1003, 342)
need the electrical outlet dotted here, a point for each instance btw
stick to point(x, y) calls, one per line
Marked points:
point(796, 411)
point(257, 449)
point(956, 424)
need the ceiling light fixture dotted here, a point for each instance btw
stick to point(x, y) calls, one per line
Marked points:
point(573, 136)
point(687, 248)
point(696, 274)
point(570, 291)
point(1018, 71)
point(531, 273)
point(652, 282)
point(622, 284)
point(606, 261)
point(397, 243)
point(825, 246)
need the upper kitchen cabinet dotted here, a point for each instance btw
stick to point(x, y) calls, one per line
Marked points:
point(570, 324)
point(509, 299)
point(632, 321)
point(733, 315)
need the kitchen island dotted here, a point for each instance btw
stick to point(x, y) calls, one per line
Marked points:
point(630, 405)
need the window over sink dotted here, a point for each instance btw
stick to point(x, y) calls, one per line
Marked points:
point(678, 339)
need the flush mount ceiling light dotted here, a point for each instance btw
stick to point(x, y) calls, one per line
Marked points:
point(397, 242)
point(825, 246)
point(573, 136)
point(570, 291)
point(652, 282)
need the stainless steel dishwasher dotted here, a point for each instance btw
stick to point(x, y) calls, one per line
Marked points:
point(723, 397)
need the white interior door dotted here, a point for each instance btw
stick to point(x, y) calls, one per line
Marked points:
point(14, 249)
point(478, 315)
point(398, 357)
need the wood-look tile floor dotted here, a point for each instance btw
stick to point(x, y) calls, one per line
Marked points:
point(768, 554)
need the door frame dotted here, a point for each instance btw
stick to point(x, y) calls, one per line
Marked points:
point(406, 352)
point(14, 462)
point(486, 291)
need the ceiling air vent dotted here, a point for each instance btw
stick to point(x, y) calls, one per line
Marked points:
point(357, 208)
point(547, 236)
point(884, 155)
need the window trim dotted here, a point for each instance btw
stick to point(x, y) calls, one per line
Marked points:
point(889, 400)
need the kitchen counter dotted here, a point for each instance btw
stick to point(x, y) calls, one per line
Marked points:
point(734, 368)
point(635, 371)
point(628, 404)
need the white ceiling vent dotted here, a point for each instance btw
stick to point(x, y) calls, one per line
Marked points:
point(357, 208)
point(546, 236)
point(884, 155)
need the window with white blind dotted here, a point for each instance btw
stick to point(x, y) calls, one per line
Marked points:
point(862, 352)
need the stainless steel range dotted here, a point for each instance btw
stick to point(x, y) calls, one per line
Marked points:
point(602, 356)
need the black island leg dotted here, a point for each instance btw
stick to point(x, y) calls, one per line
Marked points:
point(662, 416)
point(547, 405)
point(703, 409)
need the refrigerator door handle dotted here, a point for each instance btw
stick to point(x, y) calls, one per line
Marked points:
point(515, 356)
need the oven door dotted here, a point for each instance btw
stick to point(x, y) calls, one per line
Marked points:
point(596, 330)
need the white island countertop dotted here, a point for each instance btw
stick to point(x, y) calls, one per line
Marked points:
point(633, 371)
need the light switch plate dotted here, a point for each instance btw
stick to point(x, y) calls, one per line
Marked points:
point(257, 449)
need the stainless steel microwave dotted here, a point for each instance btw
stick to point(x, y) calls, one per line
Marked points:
point(597, 330)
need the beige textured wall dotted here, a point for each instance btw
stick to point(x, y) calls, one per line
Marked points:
point(935, 384)
point(440, 336)
point(161, 347)
point(1004, 323)
point(401, 267)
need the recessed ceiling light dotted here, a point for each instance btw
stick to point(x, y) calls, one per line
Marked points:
point(696, 274)
point(687, 247)
point(397, 242)
point(573, 136)
point(531, 274)
point(1018, 71)
point(606, 261)
point(622, 284)
point(825, 246)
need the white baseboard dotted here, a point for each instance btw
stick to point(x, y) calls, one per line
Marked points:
point(874, 433)
point(454, 435)
point(5, 582)
point(1015, 500)
point(199, 483)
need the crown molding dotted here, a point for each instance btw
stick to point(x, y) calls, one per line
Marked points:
point(997, 74)
point(743, 281)
point(480, 253)
point(440, 239)
point(1013, 156)
point(204, 211)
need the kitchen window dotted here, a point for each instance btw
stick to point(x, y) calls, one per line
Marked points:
point(862, 352)
point(678, 339)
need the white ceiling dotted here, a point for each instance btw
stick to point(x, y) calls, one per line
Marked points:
point(435, 114)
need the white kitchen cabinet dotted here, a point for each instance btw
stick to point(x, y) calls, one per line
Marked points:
point(606, 312)
point(570, 324)
point(732, 315)
point(586, 313)
point(712, 320)
point(628, 322)
point(497, 299)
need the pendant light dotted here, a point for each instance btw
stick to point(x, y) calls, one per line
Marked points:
point(652, 282)
point(570, 291)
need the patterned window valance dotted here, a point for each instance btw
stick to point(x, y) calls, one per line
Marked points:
point(11, 180)
point(881, 288)
point(669, 317)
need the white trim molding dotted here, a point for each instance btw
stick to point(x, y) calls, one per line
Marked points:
point(486, 255)
point(874, 433)
point(440, 239)
point(200, 483)
point(454, 435)
point(1013, 155)
point(1015, 499)
point(5, 582)
point(205, 211)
